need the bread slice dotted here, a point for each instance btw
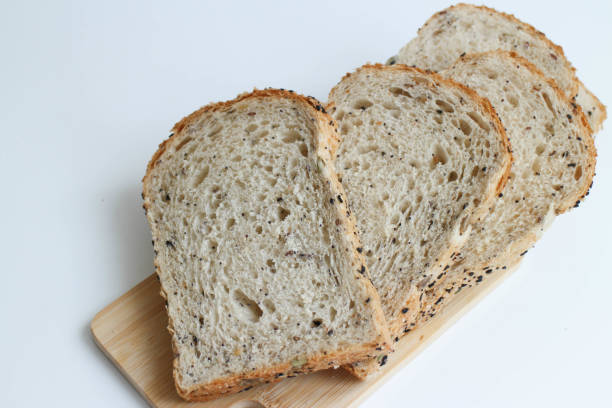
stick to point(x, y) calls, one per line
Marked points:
point(465, 28)
point(553, 168)
point(421, 158)
point(256, 249)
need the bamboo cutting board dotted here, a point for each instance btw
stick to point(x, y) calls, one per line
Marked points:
point(132, 332)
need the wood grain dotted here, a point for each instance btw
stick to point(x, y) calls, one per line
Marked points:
point(132, 333)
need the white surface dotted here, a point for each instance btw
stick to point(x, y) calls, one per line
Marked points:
point(87, 92)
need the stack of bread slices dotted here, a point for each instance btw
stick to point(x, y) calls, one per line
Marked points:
point(292, 236)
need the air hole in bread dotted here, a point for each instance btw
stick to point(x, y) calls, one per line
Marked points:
point(475, 172)
point(399, 91)
point(445, 106)
point(512, 101)
point(465, 127)
point(270, 263)
point(351, 304)
point(395, 219)
point(258, 137)
point(215, 131)
point(283, 213)
point(362, 104)
point(212, 244)
point(550, 128)
point(316, 323)
point(339, 115)
point(464, 225)
point(390, 106)
point(491, 74)
point(438, 119)
point(272, 181)
point(548, 103)
point(452, 176)
point(258, 229)
point(479, 121)
point(332, 314)
point(476, 202)
point(578, 173)
point(252, 127)
point(292, 136)
point(230, 223)
point(246, 308)
point(421, 81)
point(536, 167)
point(183, 143)
point(540, 149)
point(199, 178)
point(344, 129)
point(269, 305)
point(439, 156)
point(303, 149)
point(404, 206)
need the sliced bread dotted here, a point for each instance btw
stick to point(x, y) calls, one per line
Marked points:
point(255, 246)
point(421, 158)
point(465, 28)
point(553, 168)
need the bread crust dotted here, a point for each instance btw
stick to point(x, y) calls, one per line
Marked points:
point(326, 141)
point(398, 327)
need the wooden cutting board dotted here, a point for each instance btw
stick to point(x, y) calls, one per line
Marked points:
point(132, 333)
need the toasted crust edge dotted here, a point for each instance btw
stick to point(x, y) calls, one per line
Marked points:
point(364, 368)
point(327, 142)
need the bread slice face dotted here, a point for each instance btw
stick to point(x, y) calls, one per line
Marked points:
point(553, 168)
point(465, 28)
point(256, 248)
point(421, 158)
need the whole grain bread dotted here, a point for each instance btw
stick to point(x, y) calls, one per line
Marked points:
point(256, 248)
point(421, 158)
point(465, 28)
point(553, 168)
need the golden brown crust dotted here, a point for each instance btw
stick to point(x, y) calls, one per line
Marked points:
point(397, 327)
point(238, 383)
point(527, 27)
point(326, 142)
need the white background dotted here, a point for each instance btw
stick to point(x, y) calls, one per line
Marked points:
point(88, 90)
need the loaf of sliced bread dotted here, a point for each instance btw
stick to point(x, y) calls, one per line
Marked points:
point(465, 28)
point(256, 248)
point(553, 168)
point(421, 158)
